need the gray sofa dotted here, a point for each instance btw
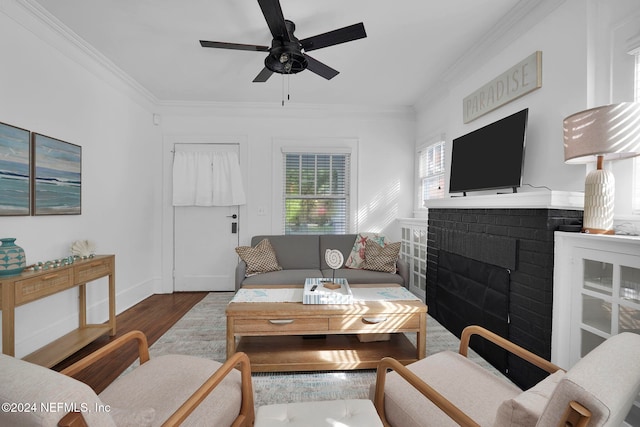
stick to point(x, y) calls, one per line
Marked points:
point(302, 256)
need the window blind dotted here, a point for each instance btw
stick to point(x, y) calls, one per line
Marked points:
point(431, 172)
point(316, 193)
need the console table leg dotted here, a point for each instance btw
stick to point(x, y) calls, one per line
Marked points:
point(8, 321)
point(82, 311)
point(231, 338)
point(112, 302)
point(421, 339)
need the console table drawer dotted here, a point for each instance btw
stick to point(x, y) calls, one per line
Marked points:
point(93, 270)
point(277, 325)
point(43, 285)
point(376, 323)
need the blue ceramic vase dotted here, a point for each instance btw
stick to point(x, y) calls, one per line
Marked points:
point(12, 258)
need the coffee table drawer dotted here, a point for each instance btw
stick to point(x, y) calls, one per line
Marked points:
point(284, 324)
point(375, 323)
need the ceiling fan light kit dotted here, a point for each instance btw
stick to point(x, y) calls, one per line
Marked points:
point(286, 57)
point(287, 54)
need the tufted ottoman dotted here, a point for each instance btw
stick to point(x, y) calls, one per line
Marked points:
point(352, 413)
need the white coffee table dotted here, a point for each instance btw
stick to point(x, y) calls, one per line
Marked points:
point(352, 413)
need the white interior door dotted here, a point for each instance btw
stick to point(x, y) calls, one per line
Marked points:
point(204, 240)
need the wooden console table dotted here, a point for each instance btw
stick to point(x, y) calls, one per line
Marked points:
point(33, 285)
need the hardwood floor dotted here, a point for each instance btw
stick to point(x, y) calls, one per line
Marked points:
point(153, 316)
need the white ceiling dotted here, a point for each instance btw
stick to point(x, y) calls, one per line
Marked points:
point(410, 44)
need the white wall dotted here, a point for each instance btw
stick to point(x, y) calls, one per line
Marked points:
point(53, 89)
point(561, 38)
point(52, 86)
point(385, 140)
point(385, 147)
point(49, 85)
point(615, 27)
point(581, 43)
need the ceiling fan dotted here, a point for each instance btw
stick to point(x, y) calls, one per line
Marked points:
point(287, 54)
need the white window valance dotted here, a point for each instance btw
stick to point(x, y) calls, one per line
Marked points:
point(207, 179)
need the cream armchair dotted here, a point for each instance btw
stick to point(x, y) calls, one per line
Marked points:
point(447, 389)
point(166, 390)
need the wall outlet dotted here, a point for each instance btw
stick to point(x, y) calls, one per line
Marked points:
point(261, 211)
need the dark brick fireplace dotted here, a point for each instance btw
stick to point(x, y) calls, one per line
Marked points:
point(519, 240)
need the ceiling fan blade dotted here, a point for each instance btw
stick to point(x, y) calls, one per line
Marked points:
point(320, 69)
point(275, 19)
point(236, 46)
point(263, 76)
point(341, 35)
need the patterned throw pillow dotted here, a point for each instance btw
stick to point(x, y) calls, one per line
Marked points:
point(379, 258)
point(356, 258)
point(260, 259)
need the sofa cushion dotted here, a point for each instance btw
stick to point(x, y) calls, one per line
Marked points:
point(259, 259)
point(364, 276)
point(133, 417)
point(283, 277)
point(29, 384)
point(381, 258)
point(605, 381)
point(356, 257)
point(295, 251)
point(455, 377)
point(525, 409)
point(165, 382)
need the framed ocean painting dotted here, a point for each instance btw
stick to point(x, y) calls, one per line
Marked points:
point(15, 171)
point(57, 173)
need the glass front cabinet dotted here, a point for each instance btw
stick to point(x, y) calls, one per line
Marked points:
point(414, 251)
point(608, 301)
point(596, 294)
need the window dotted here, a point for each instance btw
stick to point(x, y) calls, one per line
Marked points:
point(430, 172)
point(637, 78)
point(316, 193)
point(636, 163)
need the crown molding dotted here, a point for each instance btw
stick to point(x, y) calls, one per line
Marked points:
point(33, 17)
point(263, 109)
point(37, 20)
point(520, 19)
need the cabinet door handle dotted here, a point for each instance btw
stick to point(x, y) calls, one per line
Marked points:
point(280, 321)
point(374, 319)
point(50, 276)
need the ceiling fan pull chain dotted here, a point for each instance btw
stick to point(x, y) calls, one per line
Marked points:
point(288, 87)
point(283, 90)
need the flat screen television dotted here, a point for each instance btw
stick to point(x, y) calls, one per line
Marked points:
point(491, 157)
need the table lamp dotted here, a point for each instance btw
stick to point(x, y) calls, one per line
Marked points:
point(610, 132)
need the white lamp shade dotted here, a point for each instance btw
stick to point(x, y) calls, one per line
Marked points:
point(609, 132)
point(612, 131)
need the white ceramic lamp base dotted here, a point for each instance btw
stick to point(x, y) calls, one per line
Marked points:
point(599, 192)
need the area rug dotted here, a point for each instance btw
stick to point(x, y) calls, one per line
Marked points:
point(202, 332)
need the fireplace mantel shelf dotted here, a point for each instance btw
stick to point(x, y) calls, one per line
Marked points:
point(572, 200)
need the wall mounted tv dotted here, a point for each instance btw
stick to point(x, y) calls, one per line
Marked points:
point(491, 157)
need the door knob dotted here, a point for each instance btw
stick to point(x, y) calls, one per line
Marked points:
point(234, 216)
